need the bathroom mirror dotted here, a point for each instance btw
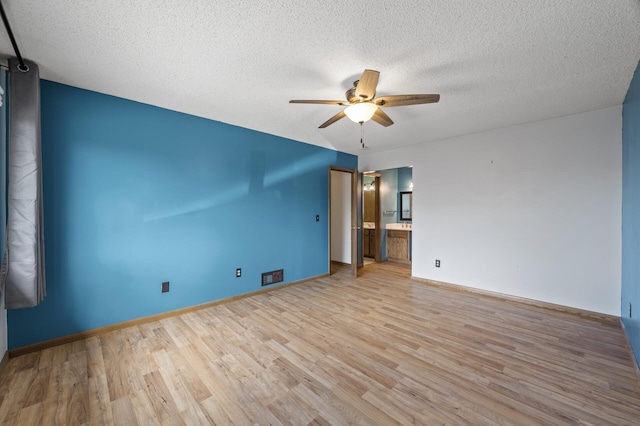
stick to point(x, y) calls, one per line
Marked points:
point(406, 204)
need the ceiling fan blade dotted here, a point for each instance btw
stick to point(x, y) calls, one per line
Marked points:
point(402, 100)
point(332, 120)
point(381, 117)
point(366, 88)
point(302, 101)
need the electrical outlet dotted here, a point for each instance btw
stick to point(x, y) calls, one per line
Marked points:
point(165, 287)
point(238, 272)
point(437, 263)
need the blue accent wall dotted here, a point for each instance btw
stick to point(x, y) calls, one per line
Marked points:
point(135, 195)
point(631, 213)
point(405, 177)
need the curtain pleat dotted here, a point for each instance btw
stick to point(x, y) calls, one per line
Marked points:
point(23, 264)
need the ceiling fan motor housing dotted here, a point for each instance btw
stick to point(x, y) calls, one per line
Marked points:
point(351, 94)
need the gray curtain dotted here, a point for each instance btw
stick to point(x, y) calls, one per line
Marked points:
point(23, 264)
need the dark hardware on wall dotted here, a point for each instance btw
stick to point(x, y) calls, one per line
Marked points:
point(22, 67)
point(272, 277)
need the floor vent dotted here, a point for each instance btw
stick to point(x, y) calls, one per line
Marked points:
point(272, 277)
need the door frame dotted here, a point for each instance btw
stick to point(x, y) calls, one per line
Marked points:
point(354, 218)
point(378, 220)
point(377, 215)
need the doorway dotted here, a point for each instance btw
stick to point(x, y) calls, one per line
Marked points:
point(343, 238)
point(390, 233)
point(371, 231)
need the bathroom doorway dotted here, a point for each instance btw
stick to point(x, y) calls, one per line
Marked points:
point(387, 217)
point(371, 230)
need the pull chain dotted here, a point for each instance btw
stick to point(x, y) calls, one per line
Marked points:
point(362, 134)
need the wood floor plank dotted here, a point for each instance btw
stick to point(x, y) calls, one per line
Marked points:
point(32, 415)
point(12, 403)
point(100, 411)
point(160, 397)
point(78, 404)
point(123, 412)
point(37, 391)
point(378, 349)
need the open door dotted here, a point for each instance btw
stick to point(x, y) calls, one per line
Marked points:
point(343, 218)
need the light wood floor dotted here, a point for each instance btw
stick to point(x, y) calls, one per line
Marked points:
point(380, 349)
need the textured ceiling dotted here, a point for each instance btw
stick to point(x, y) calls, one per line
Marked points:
point(495, 63)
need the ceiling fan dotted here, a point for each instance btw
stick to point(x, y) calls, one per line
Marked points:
point(362, 105)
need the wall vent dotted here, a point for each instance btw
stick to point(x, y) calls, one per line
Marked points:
point(272, 277)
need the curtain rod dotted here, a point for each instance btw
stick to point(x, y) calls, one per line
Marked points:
point(22, 66)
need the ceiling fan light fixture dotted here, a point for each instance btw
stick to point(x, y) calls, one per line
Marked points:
point(362, 104)
point(361, 112)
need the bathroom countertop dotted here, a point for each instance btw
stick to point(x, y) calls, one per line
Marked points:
point(399, 226)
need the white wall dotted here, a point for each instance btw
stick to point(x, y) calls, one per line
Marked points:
point(341, 216)
point(531, 210)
